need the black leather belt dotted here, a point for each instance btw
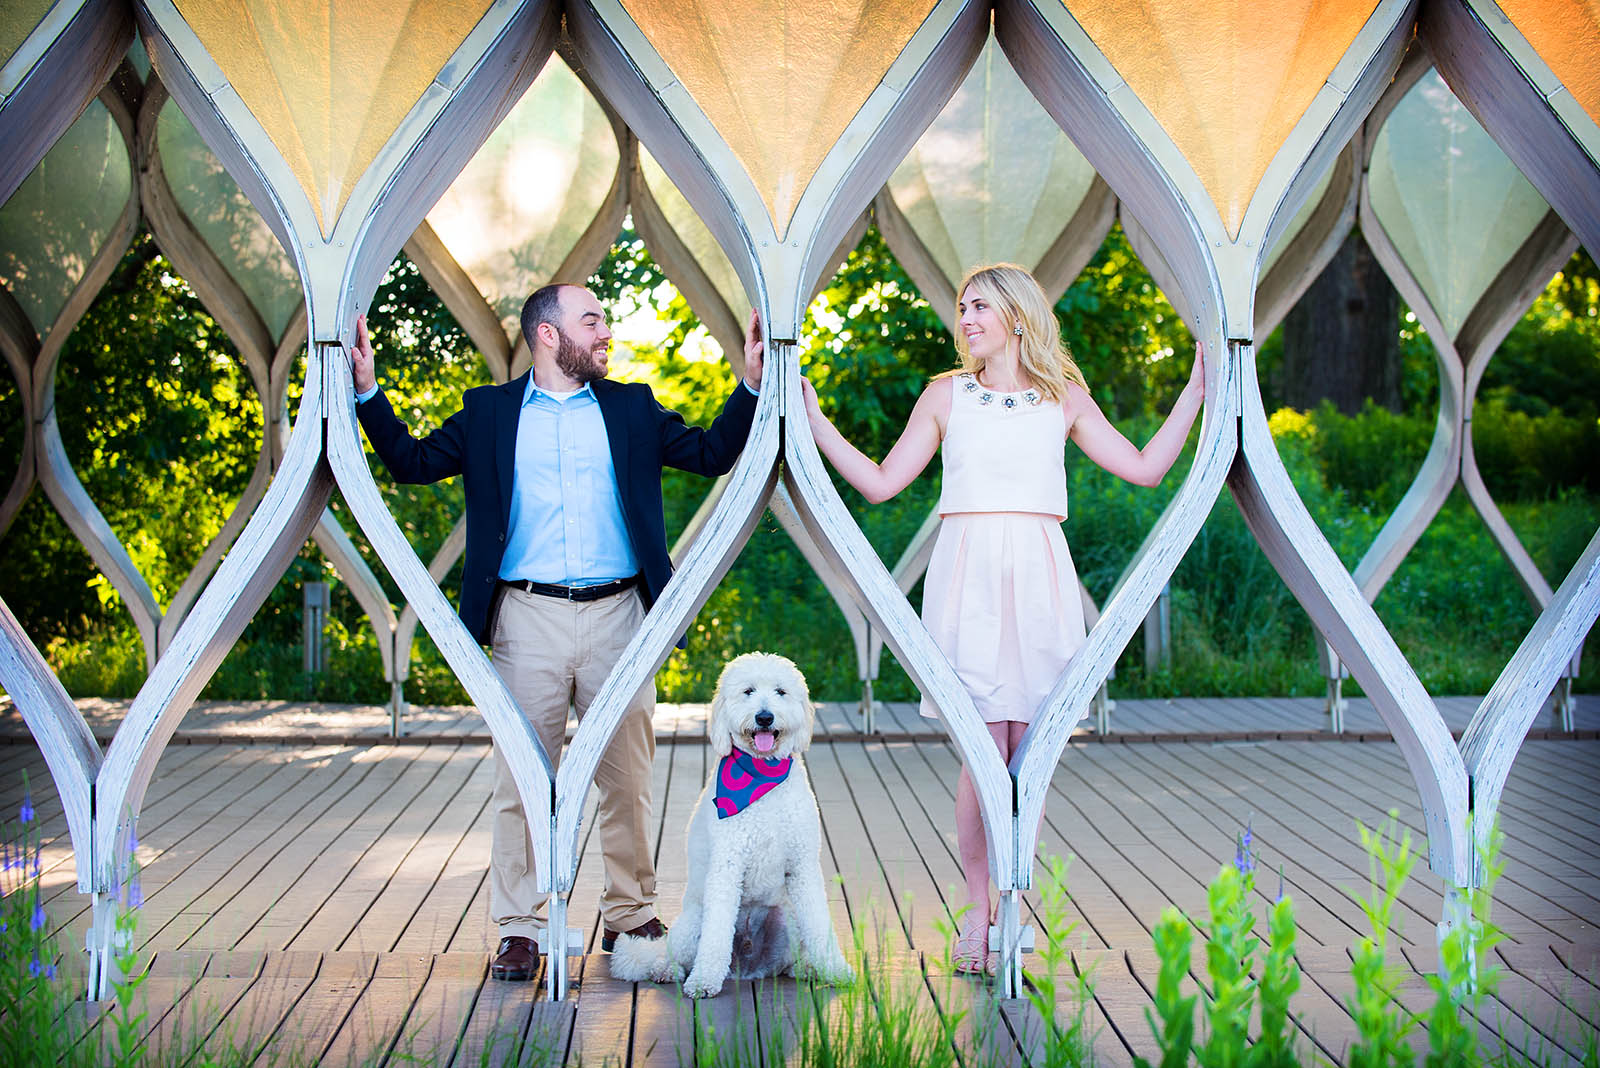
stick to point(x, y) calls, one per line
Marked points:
point(573, 593)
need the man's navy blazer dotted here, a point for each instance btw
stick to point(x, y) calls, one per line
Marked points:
point(479, 443)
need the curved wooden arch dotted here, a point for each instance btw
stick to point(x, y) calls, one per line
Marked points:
point(1535, 119)
point(461, 295)
point(1460, 361)
point(1216, 274)
point(1059, 267)
point(1522, 103)
point(265, 358)
point(53, 74)
point(52, 467)
point(340, 269)
point(780, 270)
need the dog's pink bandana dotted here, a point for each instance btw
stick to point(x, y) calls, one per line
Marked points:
point(743, 779)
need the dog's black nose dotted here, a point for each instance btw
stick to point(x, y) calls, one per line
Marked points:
point(763, 718)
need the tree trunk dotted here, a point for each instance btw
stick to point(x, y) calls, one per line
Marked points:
point(1341, 341)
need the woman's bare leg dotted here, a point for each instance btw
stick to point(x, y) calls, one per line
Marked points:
point(973, 845)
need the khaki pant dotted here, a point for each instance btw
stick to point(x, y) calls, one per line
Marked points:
point(554, 654)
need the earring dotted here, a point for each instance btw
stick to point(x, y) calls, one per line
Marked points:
point(1017, 330)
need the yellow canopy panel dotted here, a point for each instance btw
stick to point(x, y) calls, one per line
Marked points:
point(779, 81)
point(1226, 79)
point(330, 80)
point(1566, 34)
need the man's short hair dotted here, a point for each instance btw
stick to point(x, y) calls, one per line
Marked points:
point(543, 307)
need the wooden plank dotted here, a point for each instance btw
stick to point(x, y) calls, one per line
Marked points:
point(1503, 1024)
point(312, 1021)
point(193, 1022)
point(378, 1016)
point(277, 910)
point(280, 981)
point(400, 904)
point(181, 877)
point(1099, 1038)
point(441, 1010)
point(1283, 832)
point(237, 900)
point(602, 1024)
point(312, 912)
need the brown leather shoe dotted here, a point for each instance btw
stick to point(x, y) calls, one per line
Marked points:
point(650, 930)
point(516, 961)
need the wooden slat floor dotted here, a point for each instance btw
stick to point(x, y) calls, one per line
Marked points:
point(309, 891)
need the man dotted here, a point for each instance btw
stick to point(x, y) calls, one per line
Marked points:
point(566, 551)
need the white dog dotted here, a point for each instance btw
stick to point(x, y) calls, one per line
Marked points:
point(755, 901)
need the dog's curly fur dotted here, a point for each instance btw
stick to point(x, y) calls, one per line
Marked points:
point(755, 903)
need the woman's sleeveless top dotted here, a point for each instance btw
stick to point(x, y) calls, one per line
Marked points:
point(1003, 452)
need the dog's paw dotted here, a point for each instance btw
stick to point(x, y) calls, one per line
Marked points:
point(699, 986)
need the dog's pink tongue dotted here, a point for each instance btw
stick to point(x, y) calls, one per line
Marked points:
point(765, 741)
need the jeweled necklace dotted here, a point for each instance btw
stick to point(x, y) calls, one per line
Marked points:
point(1009, 401)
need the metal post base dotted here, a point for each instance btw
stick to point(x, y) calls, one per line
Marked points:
point(558, 963)
point(1457, 915)
point(104, 942)
point(555, 964)
point(397, 708)
point(1337, 703)
point(1562, 705)
point(1103, 704)
point(1013, 941)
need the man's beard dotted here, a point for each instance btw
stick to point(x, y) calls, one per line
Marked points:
point(577, 363)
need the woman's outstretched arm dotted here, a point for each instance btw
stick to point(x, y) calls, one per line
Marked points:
point(918, 442)
point(1105, 445)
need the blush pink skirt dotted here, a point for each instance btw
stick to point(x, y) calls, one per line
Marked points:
point(1001, 600)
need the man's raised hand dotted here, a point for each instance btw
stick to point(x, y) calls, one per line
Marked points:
point(754, 351)
point(361, 363)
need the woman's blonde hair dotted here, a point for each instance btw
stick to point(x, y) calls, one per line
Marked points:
point(1016, 295)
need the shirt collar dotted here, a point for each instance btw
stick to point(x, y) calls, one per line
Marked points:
point(534, 391)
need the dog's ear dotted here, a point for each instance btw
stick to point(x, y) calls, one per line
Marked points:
point(717, 728)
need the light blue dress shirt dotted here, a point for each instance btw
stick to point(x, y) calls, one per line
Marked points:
point(566, 513)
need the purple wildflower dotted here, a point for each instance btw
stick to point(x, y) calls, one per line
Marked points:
point(133, 839)
point(25, 814)
point(1243, 858)
point(1280, 885)
point(37, 920)
point(135, 893)
point(36, 868)
point(50, 972)
point(36, 966)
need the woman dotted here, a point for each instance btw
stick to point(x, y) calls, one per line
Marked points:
point(1001, 593)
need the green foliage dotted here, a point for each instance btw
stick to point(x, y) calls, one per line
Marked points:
point(1230, 954)
point(1381, 1024)
point(158, 417)
point(1172, 1018)
point(1069, 1044)
point(1280, 978)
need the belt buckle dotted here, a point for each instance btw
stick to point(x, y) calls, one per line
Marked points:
point(572, 594)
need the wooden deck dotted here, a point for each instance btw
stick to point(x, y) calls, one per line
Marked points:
point(309, 883)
